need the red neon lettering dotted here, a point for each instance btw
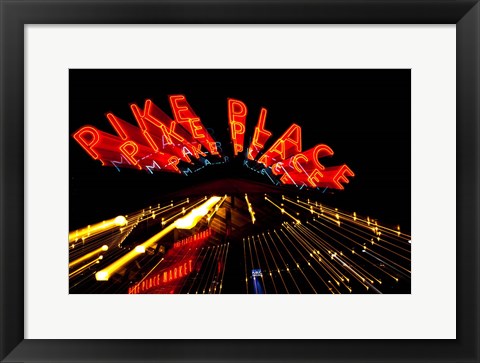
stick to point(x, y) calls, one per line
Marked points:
point(197, 150)
point(237, 115)
point(296, 162)
point(184, 115)
point(177, 103)
point(169, 133)
point(197, 129)
point(87, 137)
point(129, 150)
point(260, 136)
point(212, 146)
point(341, 176)
point(304, 162)
point(160, 135)
point(315, 176)
point(288, 144)
point(287, 179)
point(173, 162)
point(330, 177)
point(278, 168)
point(117, 125)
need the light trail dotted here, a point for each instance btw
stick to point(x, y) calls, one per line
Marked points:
point(268, 266)
point(275, 262)
point(245, 259)
point(295, 262)
point(94, 229)
point(187, 222)
point(251, 259)
point(89, 255)
point(250, 209)
point(284, 263)
point(224, 268)
point(281, 209)
point(359, 244)
point(205, 266)
point(360, 256)
point(197, 269)
point(259, 265)
point(331, 270)
point(211, 269)
point(84, 267)
point(303, 256)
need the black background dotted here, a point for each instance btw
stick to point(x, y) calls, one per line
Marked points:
point(363, 115)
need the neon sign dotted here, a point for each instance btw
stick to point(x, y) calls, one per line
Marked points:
point(237, 117)
point(197, 237)
point(171, 274)
point(182, 144)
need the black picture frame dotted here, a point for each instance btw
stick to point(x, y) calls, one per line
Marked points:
point(15, 14)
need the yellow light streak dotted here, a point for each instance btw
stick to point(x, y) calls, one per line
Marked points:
point(282, 209)
point(97, 228)
point(88, 256)
point(192, 218)
point(187, 222)
point(275, 262)
point(224, 268)
point(268, 266)
point(245, 259)
point(217, 207)
point(77, 271)
point(250, 209)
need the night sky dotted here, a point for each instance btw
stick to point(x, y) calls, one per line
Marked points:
point(363, 115)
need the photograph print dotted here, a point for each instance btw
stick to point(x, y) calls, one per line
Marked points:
point(239, 181)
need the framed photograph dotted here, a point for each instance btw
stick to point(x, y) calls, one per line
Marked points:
point(239, 181)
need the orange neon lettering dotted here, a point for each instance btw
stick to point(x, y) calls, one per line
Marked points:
point(198, 131)
point(287, 179)
point(178, 109)
point(129, 150)
point(341, 176)
point(288, 144)
point(260, 136)
point(88, 137)
point(117, 126)
point(196, 149)
point(212, 146)
point(165, 277)
point(280, 147)
point(173, 162)
point(146, 115)
point(315, 176)
point(278, 168)
point(237, 114)
point(296, 163)
point(141, 117)
point(169, 133)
